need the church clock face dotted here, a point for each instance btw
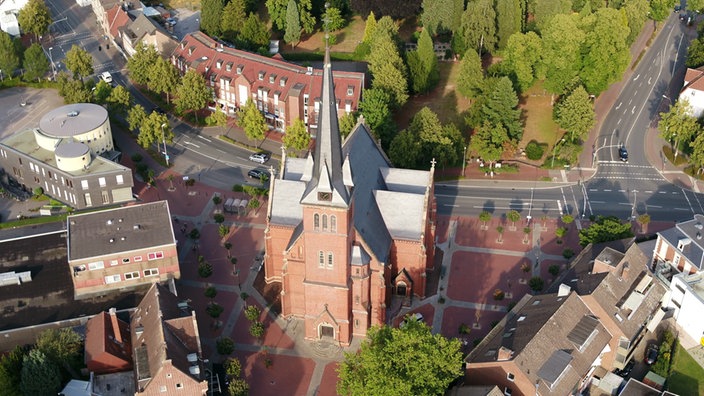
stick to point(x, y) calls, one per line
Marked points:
point(324, 196)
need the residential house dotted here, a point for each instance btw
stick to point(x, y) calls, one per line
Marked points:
point(681, 248)
point(107, 347)
point(693, 91)
point(145, 30)
point(116, 19)
point(347, 234)
point(121, 249)
point(620, 290)
point(283, 91)
point(8, 18)
point(546, 345)
point(64, 157)
point(166, 346)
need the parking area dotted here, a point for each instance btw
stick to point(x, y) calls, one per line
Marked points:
point(16, 117)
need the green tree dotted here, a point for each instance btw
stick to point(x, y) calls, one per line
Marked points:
point(217, 118)
point(224, 346)
point(35, 18)
point(233, 17)
point(678, 126)
point(210, 16)
point(205, 269)
point(405, 150)
point(10, 371)
point(210, 292)
point(164, 78)
point(644, 220)
point(35, 63)
point(40, 375)
point(523, 57)
point(135, 117)
point(334, 19)
point(428, 76)
point(297, 137)
point(575, 114)
point(119, 100)
point(142, 62)
point(560, 233)
point(536, 283)
point(606, 52)
point(509, 20)
point(695, 54)
point(192, 94)
point(256, 330)
point(60, 345)
point(478, 29)
point(347, 123)
point(376, 109)
point(254, 33)
point(9, 60)
point(79, 62)
point(545, 10)
point(470, 80)
point(695, 5)
point(307, 19)
point(214, 309)
point(488, 142)
point(438, 16)
point(562, 42)
point(150, 130)
point(413, 360)
point(277, 13)
point(697, 155)
point(484, 217)
point(605, 229)
point(387, 67)
point(637, 13)
point(369, 28)
point(513, 216)
point(500, 107)
point(101, 92)
point(293, 24)
point(252, 121)
point(73, 91)
point(252, 313)
point(238, 387)
point(659, 9)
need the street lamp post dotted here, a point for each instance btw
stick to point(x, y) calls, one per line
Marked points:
point(464, 159)
point(163, 137)
point(53, 68)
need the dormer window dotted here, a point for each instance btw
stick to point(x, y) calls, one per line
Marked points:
point(272, 78)
point(324, 196)
point(218, 64)
point(228, 66)
point(282, 81)
point(350, 90)
point(183, 45)
point(261, 75)
point(240, 69)
point(190, 50)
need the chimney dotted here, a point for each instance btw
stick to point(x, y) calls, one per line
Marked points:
point(115, 326)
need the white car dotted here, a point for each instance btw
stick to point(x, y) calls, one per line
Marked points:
point(260, 157)
point(106, 76)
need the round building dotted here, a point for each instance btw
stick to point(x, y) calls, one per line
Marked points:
point(85, 123)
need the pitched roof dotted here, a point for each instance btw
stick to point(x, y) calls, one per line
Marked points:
point(117, 18)
point(162, 330)
point(104, 346)
point(142, 26)
point(539, 335)
point(693, 80)
point(687, 237)
point(119, 230)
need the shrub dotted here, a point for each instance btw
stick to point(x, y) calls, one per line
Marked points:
point(194, 234)
point(223, 230)
point(554, 269)
point(568, 253)
point(214, 310)
point(205, 269)
point(257, 329)
point(225, 346)
point(464, 329)
point(219, 218)
point(252, 313)
point(534, 151)
point(499, 295)
point(211, 292)
point(536, 283)
point(237, 188)
point(136, 157)
point(38, 191)
point(217, 200)
point(190, 182)
point(525, 267)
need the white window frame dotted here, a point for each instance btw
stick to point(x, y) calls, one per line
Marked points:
point(101, 182)
point(119, 179)
point(155, 255)
point(113, 279)
point(96, 265)
point(151, 272)
point(511, 377)
point(137, 259)
point(131, 275)
point(84, 184)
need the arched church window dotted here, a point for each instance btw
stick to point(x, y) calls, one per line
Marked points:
point(329, 259)
point(325, 222)
point(321, 259)
point(333, 223)
point(316, 221)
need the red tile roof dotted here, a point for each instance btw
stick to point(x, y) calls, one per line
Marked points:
point(117, 18)
point(103, 351)
point(203, 54)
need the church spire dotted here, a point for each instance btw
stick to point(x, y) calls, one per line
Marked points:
point(327, 185)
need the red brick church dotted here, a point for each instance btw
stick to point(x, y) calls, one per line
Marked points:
point(347, 234)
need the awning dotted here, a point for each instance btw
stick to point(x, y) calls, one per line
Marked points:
point(657, 318)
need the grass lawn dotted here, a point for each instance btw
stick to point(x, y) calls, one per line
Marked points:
point(537, 114)
point(443, 100)
point(687, 376)
point(347, 39)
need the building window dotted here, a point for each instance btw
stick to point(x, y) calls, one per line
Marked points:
point(155, 256)
point(96, 265)
point(510, 377)
point(350, 90)
point(112, 279)
point(87, 198)
point(126, 260)
point(333, 223)
point(316, 222)
point(321, 259)
point(680, 288)
point(162, 388)
point(137, 259)
point(151, 272)
point(325, 222)
point(119, 179)
point(132, 275)
point(84, 184)
point(179, 386)
point(356, 323)
point(329, 259)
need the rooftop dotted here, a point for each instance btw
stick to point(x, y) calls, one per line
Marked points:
point(119, 230)
point(73, 119)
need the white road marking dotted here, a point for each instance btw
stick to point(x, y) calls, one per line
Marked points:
point(605, 190)
point(636, 77)
point(192, 144)
point(204, 138)
point(619, 105)
point(597, 202)
point(634, 110)
point(649, 80)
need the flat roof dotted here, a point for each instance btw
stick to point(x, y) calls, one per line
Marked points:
point(25, 143)
point(119, 230)
point(73, 119)
point(49, 296)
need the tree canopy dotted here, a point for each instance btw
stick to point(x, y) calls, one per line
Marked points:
point(376, 108)
point(233, 17)
point(523, 57)
point(478, 29)
point(500, 107)
point(470, 80)
point(9, 59)
point(141, 63)
point(297, 136)
point(413, 362)
point(164, 78)
point(678, 125)
point(606, 50)
point(605, 229)
point(562, 41)
point(193, 93)
point(35, 17)
point(40, 375)
point(211, 12)
point(254, 34)
point(151, 131)
point(575, 114)
point(252, 121)
point(293, 24)
point(79, 62)
point(488, 142)
point(35, 63)
point(438, 16)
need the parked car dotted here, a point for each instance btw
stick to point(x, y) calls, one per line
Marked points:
point(651, 354)
point(260, 157)
point(106, 76)
point(257, 173)
point(626, 371)
point(623, 154)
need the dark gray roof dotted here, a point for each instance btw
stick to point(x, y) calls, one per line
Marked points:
point(119, 230)
point(583, 330)
point(636, 388)
point(555, 366)
point(691, 232)
point(141, 26)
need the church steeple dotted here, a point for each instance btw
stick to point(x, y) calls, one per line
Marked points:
point(327, 186)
